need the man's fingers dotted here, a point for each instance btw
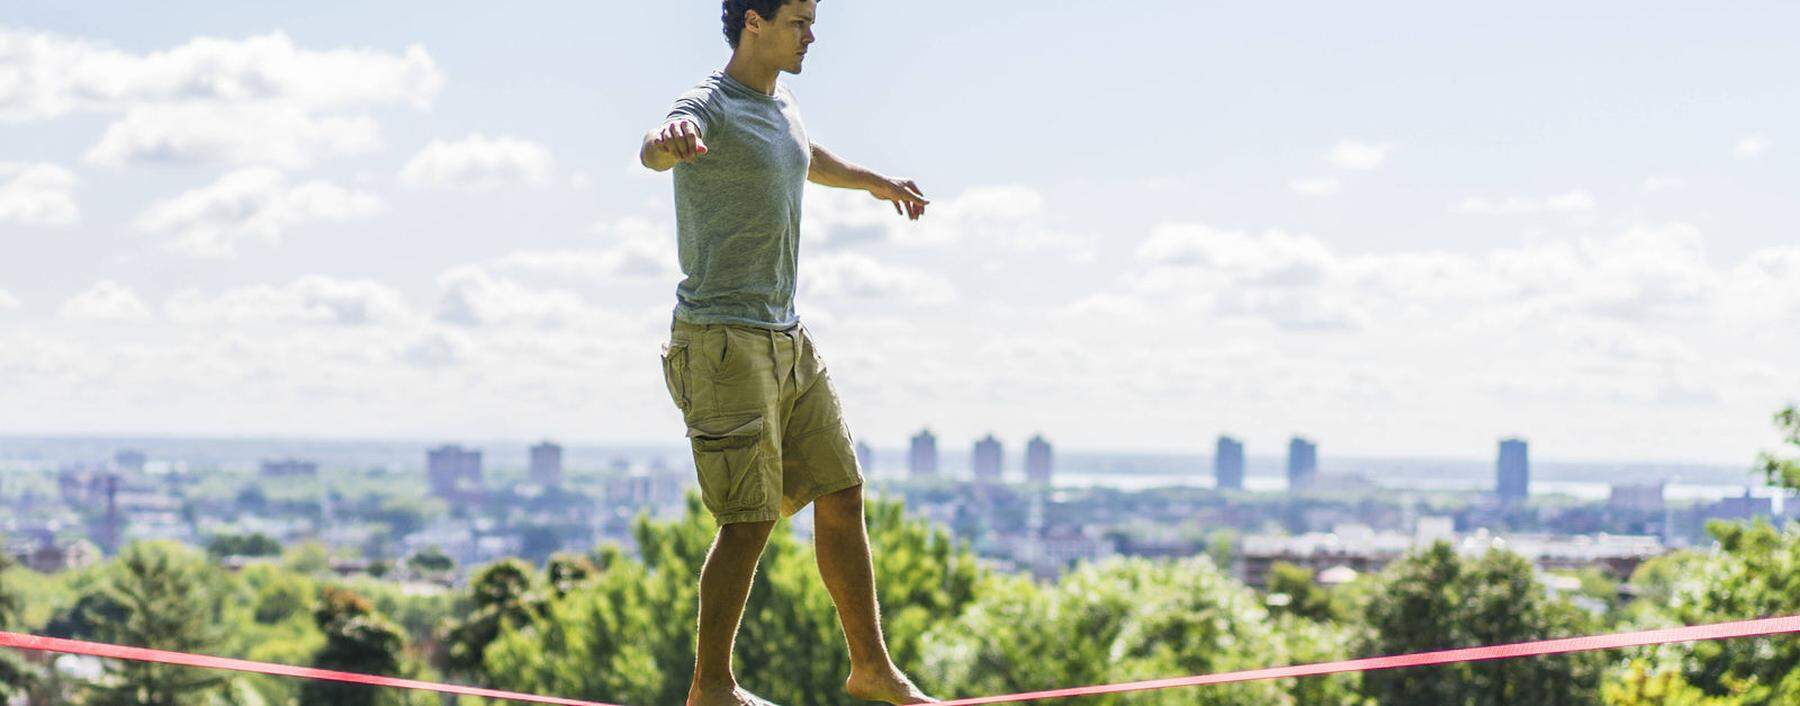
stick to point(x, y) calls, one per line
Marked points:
point(695, 145)
point(897, 207)
point(688, 138)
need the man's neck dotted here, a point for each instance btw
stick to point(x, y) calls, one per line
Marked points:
point(750, 73)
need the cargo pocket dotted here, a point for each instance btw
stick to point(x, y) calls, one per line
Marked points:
point(727, 456)
point(674, 367)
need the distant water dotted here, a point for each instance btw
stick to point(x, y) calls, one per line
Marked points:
point(1125, 471)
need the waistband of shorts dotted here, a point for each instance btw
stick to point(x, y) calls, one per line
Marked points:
point(683, 326)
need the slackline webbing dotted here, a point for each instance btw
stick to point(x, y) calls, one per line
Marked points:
point(139, 654)
point(1718, 631)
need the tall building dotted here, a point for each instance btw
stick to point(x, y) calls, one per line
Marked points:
point(865, 457)
point(289, 468)
point(922, 460)
point(986, 460)
point(1514, 470)
point(453, 472)
point(547, 465)
point(1228, 464)
point(1039, 461)
point(112, 527)
point(1302, 463)
point(130, 460)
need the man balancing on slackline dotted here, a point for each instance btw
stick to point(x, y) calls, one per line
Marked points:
point(764, 421)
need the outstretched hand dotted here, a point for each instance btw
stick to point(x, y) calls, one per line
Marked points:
point(680, 138)
point(902, 193)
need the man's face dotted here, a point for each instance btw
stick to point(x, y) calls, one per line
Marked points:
point(784, 40)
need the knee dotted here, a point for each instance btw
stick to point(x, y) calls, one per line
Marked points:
point(843, 504)
point(746, 531)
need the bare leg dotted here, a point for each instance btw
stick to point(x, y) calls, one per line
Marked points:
point(841, 542)
point(724, 586)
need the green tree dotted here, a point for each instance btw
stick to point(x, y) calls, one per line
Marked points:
point(500, 593)
point(431, 560)
point(565, 572)
point(1116, 620)
point(257, 544)
point(16, 675)
point(628, 636)
point(356, 640)
point(1434, 600)
point(1783, 469)
point(162, 596)
point(1640, 684)
point(1753, 572)
point(1305, 597)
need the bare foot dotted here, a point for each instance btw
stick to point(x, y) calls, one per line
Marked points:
point(885, 684)
point(734, 696)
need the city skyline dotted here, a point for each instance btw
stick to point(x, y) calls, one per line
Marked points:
point(364, 222)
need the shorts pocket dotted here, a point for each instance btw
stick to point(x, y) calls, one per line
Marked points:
point(727, 457)
point(674, 368)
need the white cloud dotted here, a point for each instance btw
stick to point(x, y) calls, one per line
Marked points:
point(106, 301)
point(1646, 274)
point(438, 348)
point(282, 136)
point(1312, 186)
point(1665, 182)
point(49, 75)
point(37, 194)
point(848, 275)
point(1106, 307)
point(1752, 146)
point(1010, 216)
point(1572, 202)
point(1760, 291)
point(638, 248)
point(255, 203)
point(8, 302)
point(1274, 258)
point(1351, 154)
point(479, 163)
point(313, 299)
point(474, 297)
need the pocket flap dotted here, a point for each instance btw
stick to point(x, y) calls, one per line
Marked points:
point(727, 427)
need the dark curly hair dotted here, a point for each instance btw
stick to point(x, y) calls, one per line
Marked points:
point(734, 15)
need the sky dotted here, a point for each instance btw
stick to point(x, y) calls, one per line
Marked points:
point(1394, 228)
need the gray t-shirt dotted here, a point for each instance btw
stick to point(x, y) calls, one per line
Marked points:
point(737, 207)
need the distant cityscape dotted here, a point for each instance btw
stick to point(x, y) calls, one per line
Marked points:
point(71, 512)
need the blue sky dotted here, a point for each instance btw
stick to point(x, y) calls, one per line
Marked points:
point(1402, 228)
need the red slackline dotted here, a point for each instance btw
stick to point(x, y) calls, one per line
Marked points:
point(1718, 631)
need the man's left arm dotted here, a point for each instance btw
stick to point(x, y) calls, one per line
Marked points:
point(830, 170)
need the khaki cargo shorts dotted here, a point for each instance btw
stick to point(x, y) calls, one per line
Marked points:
point(764, 421)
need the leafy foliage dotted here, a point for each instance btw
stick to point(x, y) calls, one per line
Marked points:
point(1784, 469)
point(501, 594)
point(162, 596)
point(15, 674)
point(1435, 599)
point(256, 544)
point(356, 639)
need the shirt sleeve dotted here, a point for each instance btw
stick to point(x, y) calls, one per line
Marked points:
point(695, 105)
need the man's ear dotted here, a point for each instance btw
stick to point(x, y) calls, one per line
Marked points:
point(752, 21)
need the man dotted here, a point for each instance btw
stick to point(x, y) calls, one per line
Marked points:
point(762, 416)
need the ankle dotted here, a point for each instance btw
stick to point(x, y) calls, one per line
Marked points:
point(710, 684)
point(877, 665)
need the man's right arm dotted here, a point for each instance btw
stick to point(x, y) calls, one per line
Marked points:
point(677, 140)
